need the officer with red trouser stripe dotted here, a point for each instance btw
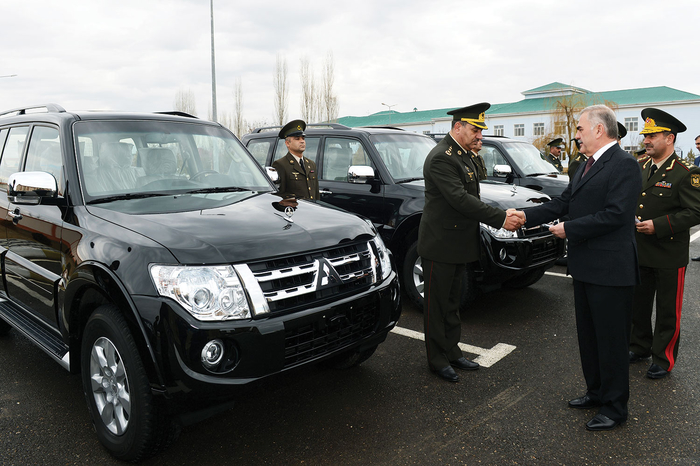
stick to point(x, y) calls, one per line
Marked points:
point(669, 205)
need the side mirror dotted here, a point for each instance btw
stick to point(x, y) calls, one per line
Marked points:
point(502, 171)
point(272, 173)
point(30, 188)
point(360, 174)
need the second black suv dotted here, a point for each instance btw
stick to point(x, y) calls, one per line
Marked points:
point(378, 173)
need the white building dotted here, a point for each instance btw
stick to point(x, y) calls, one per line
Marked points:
point(531, 117)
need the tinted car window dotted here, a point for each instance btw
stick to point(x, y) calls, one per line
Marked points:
point(259, 149)
point(492, 157)
point(338, 155)
point(403, 154)
point(12, 154)
point(527, 157)
point(44, 153)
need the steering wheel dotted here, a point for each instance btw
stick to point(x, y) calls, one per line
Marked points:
point(202, 174)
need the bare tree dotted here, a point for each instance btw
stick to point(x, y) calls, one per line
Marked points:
point(185, 102)
point(330, 100)
point(238, 122)
point(308, 91)
point(281, 89)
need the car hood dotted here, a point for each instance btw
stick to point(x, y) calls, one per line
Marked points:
point(501, 195)
point(553, 185)
point(248, 229)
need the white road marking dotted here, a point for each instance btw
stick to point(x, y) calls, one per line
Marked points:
point(554, 274)
point(486, 357)
point(695, 236)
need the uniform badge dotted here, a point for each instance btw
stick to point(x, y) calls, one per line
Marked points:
point(695, 180)
point(663, 184)
point(449, 151)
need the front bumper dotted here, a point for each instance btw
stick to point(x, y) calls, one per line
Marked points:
point(258, 348)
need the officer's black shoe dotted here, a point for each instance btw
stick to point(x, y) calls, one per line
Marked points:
point(465, 364)
point(448, 374)
point(696, 259)
point(602, 422)
point(584, 402)
point(656, 372)
point(634, 357)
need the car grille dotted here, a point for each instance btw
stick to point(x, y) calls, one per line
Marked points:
point(544, 250)
point(300, 281)
point(313, 337)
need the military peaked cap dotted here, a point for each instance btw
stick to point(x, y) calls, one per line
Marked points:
point(657, 121)
point(474, 114)
point(555, 142)
point(621, 130)
point(293, 128)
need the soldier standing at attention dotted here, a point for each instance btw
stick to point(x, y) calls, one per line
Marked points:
point(448, 236)
point(669, 205)
point(554, 153)
point(298, 177)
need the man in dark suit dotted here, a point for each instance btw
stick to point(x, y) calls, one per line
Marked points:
point(448, 236)
point(602, 259)
point(668, 206)
point(297, 174)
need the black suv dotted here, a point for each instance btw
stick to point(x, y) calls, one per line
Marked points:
point(520, 163)
point(151, 254)
point(378, 173)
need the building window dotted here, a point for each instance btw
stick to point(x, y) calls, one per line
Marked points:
point(559, 127)
point(538, 129)
point(631, 149)
point(519, 130)
point(631, 124)
point(498, 130)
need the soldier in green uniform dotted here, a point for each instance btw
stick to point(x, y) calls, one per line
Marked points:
point(448, 236)
point(577, 161)
point(298, 176)
point(668, 206)
point(554, 154)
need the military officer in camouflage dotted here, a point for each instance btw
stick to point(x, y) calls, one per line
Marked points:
point(297, 174)
point(448, 236)
point(554, 153)
point(669, 205)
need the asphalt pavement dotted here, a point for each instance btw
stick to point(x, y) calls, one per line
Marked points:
point(391, 409)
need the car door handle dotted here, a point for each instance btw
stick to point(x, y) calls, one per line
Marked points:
point(325, 191)
point(14, 216)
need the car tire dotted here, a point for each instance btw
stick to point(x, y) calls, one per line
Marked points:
point(349, 359)
point(413, 280)
point(528, 278)
point(4, 327)
point(128, 421)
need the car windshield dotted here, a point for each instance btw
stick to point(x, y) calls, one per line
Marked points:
point(528, 159)
point(141, 158)
point(403, 154)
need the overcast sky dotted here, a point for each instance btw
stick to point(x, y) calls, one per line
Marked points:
point(136, 55)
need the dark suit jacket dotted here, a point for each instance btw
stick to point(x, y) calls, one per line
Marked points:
point(671, 198)
point(449, 227)
point(295, 181)
point(602, 248)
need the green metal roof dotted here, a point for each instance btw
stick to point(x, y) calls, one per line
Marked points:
point(531, 105)
point(552, 87)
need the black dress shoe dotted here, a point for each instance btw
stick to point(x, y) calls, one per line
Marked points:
point(696, 259)
point(584, 402)
point(656, 372)
point(634, 357)
point(465, 364)
point(601, 422)
point(448, 374)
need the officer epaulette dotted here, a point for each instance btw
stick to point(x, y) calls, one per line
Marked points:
point(643, 160)
point(683, 163)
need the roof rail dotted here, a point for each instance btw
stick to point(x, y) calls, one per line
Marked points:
point(311, 125)
point(176, 113)
point(383, 127)
point(50, 108)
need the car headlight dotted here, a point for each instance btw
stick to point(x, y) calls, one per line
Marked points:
point(383, 257)
point(500, 233)
point(208, 293)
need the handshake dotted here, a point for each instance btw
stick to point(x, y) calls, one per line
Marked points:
point(514, 219)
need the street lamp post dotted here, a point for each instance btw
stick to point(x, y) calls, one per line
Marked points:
point(213, 70)
point(387, 105)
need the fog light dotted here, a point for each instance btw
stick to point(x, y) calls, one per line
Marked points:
point(213, 353)
point(502, 254)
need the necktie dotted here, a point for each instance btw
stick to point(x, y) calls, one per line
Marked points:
point(589, 164)
point(652, 170)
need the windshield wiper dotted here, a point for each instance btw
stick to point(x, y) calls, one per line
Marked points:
point(126, 197)
point(225, 189)
point(536, 174)
point(407, 180)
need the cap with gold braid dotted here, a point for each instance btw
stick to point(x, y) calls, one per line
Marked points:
point(657, 121)
point(293, 128)
point(474, 114)
point(555, 142)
